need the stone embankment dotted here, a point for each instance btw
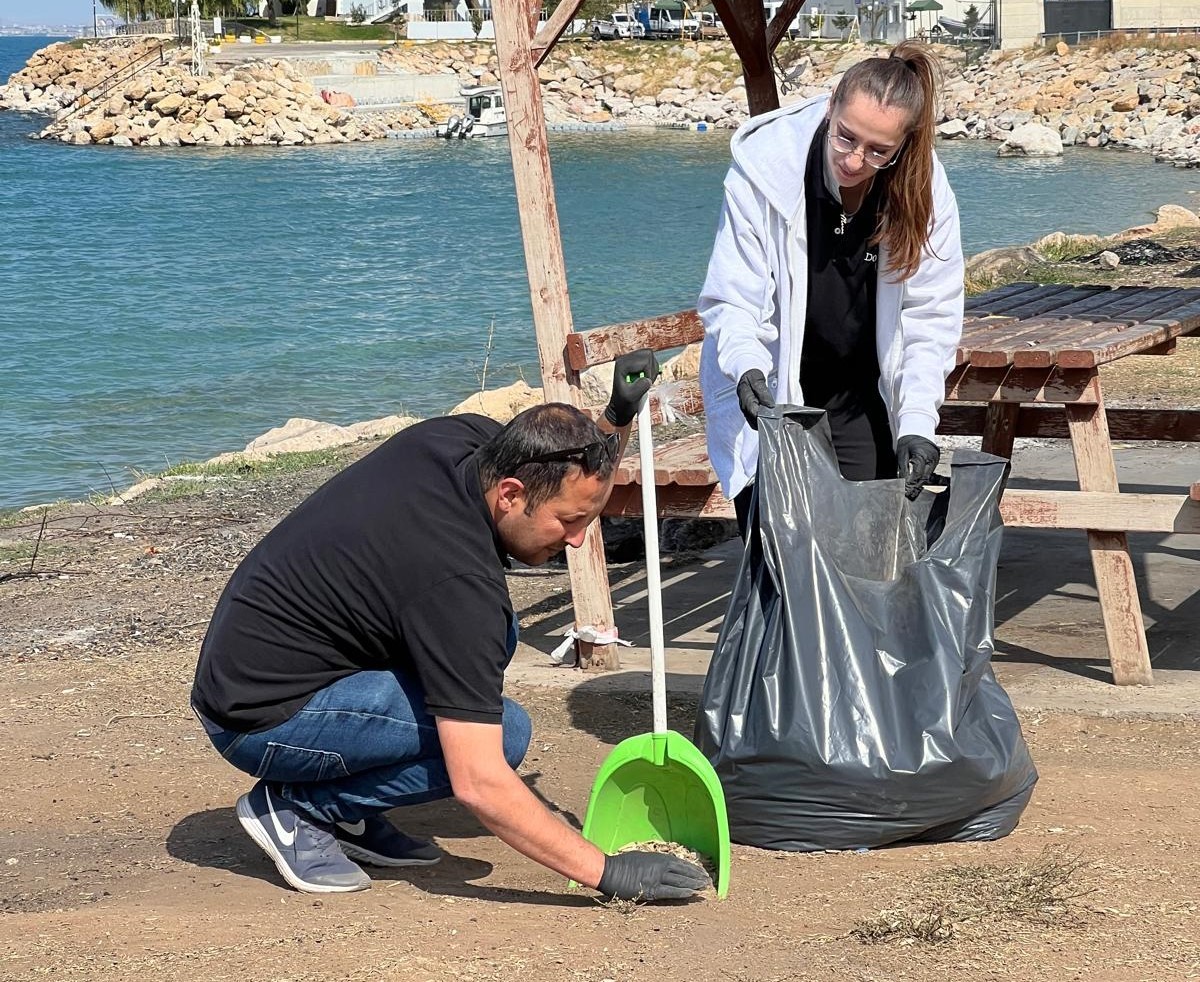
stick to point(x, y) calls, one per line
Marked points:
point(1036, 101)
point(260, 104)
point(1135, 97)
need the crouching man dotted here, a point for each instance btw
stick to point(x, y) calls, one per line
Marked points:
point(355, 661)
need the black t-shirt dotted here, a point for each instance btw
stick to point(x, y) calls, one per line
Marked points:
point(839, 332)
point(393, 563)
point(839, 365)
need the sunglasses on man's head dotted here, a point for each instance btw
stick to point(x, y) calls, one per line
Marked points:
point(590, 457)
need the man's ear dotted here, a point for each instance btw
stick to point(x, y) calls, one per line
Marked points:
point(510, 495)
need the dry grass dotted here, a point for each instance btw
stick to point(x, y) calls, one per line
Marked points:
point(679, 852)
point(981, 901)
point(1120, 40)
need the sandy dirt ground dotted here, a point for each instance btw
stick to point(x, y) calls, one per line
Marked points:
point(120, 857)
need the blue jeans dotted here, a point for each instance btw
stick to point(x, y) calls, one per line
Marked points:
point(359, 747)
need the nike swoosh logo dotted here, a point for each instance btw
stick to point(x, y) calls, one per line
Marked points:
point(286, 837)
point(354, 828)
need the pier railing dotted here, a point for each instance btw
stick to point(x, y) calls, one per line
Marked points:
point(106, 84)
point(177, 27)
point(1079, 37)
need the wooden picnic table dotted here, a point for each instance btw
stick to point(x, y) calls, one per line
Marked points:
point(1028, 365)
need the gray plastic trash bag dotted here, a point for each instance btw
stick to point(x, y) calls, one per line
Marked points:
point(850, 701)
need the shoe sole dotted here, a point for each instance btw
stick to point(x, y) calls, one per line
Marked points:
point(255, 830)
point(374, 859)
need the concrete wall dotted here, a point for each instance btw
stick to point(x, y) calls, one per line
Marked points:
point(1155, 13)
point(380, 90)
point(1021, 22)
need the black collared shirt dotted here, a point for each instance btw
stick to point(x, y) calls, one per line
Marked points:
point(839, 333)
point(393, 563)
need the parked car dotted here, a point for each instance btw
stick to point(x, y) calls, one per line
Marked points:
point(711, 26)
point(616, 25)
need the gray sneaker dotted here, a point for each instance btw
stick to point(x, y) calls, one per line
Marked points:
point(376, 841)
point(305, 852)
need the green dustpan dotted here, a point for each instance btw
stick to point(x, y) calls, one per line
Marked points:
point(657, 787)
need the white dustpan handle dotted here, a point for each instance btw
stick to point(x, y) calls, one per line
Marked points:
point(658, 659)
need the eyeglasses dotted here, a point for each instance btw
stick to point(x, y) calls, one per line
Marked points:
point(872, 158)
point(590, 457)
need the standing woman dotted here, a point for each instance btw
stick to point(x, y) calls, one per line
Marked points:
point(836, 279)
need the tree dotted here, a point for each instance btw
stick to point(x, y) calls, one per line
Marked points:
point(971, 19)
point(842, 23)
point(358, 14)
point(476, 20)
point(871, 14)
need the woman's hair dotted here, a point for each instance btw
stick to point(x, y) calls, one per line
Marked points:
point(909, 80)
point(547, 428)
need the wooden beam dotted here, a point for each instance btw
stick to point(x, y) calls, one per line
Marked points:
point(603, 344)
point(548, 36)
point(547, 272)
point(968, 384)
point(1106, 511)
point(1050, 422)
point(1000, 428)
point(746, 23)
point(777, 29)
point(1116, 585)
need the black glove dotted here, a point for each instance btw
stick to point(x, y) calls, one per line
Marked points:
point(651, 876)
point(916, 458)
point(633, 374)
point(754, 395)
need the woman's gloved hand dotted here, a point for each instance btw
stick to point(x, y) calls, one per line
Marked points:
point(651, 876)
point(916, 458)
point(753, 395)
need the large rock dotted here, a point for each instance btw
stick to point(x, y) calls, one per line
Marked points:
point(300, 434)
point(500, 404)
point(952, 129)
point(170, 104)
point(1031, 140)
point(373, 429)
point(102, 129)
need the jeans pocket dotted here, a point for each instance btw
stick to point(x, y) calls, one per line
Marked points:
point(284, 763)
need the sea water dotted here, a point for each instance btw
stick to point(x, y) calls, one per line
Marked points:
point(158, 305)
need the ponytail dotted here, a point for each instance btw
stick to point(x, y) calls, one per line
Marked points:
point(908, 79)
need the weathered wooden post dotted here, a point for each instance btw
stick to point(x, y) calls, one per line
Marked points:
point(519, 55)
point(520, 49)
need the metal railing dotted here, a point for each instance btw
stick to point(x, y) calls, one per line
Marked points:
point(122, 74)
point(177, 27)
point(1078, 37)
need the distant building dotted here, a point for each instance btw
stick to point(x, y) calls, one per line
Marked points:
point(1023, 22)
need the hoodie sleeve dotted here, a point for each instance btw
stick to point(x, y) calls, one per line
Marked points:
point(737, 302)
point(931, 319)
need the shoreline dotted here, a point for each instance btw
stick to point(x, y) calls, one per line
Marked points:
point(1144, 98)
point(309, 442)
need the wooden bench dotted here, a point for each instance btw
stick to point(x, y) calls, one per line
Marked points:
point(1027, 367)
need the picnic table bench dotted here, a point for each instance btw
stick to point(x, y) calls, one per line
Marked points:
point(1028, 365)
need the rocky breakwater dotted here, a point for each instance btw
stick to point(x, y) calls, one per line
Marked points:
point(260, 104)
point(1139, 98)
point(639, 84)
point(57, 75)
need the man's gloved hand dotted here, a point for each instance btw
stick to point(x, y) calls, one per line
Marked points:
point(916, 457)
point(753, 395)
point(633, 374)
point(651, 876)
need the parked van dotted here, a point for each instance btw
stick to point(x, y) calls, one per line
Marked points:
point(662, 22)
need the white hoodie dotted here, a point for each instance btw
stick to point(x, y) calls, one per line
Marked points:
point(755, 298)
